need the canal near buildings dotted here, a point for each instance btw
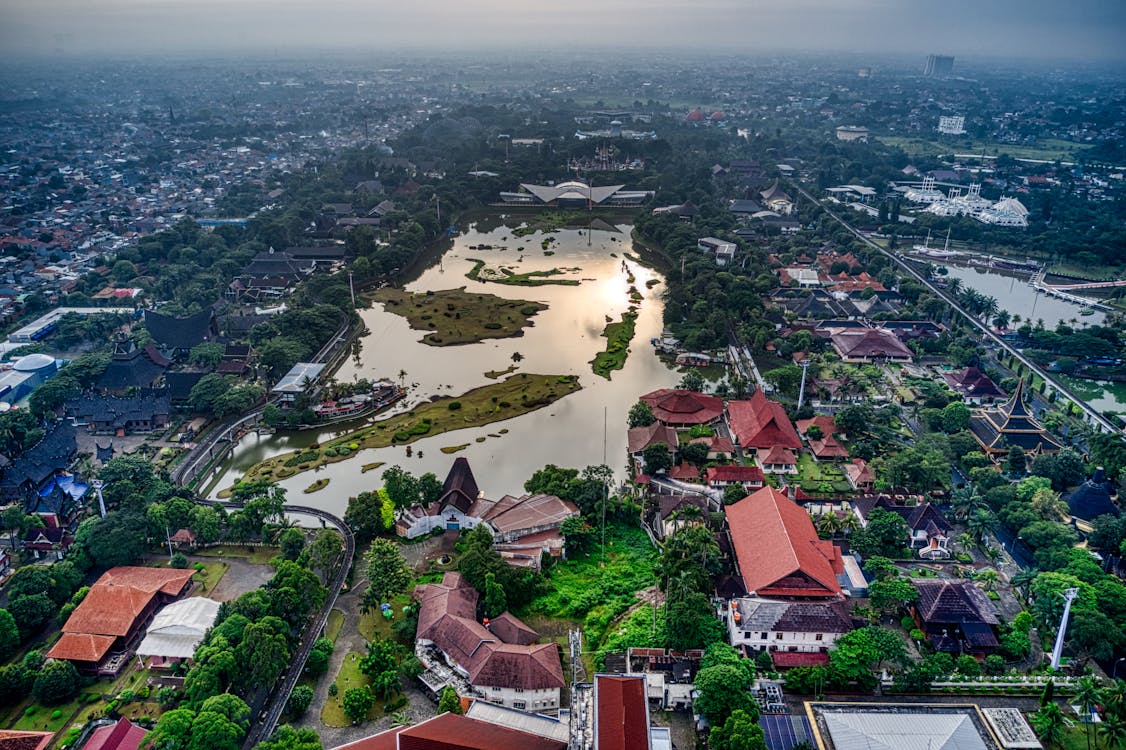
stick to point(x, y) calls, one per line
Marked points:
point(1015, 294)
point(563, 340)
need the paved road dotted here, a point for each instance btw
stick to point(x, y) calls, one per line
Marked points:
point(268, 718)
point(1093, 416)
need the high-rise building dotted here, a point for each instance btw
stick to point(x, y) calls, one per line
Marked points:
point(939, 65)
point(952, 125)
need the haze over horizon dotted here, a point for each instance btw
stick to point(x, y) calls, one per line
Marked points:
point(1086, 30)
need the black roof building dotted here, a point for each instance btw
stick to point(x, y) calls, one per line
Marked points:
point(997, 429)
point(131, 367)
point(179, 335)
point(274, 264)
point(460, 489)
point(148, 409)
point(181, 382)
point(956, 616)
point(1093, 498)
point(26, 475)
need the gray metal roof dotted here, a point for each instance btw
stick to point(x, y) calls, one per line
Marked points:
point(294, 380)
point(906, 730)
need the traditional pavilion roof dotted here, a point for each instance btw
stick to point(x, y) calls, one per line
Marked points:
point(997, 429)
point(953, 601)
point(974, 383)
point(1092, 498)
point(679, 407)
point(761, 423)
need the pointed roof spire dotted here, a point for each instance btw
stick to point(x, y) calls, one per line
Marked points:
point(1015, 406)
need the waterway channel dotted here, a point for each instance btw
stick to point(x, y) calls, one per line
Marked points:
point(562, 341)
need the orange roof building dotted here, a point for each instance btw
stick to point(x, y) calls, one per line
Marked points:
point(760, 424)
point(677, 407)
point(777, 551)
point(113, 615)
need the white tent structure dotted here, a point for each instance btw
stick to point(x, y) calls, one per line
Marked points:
point(178, 628)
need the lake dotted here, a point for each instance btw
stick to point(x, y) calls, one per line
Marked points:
point(1015, 294)
point(587, 427)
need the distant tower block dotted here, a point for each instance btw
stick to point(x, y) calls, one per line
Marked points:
point(938, 66)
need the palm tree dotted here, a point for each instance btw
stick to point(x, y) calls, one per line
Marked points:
point(988, 578)
point(1113, 731)
point(980, 523)
point(966, 542)
point(850, 522)
point(1023, 579)
point(1049, 725)
point(1088, 694)
point(966, 501)
point(954, 286)
point(828, 524)
point(1115, 697)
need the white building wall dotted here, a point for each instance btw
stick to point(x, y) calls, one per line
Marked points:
point(777, 640)
point(536, 701)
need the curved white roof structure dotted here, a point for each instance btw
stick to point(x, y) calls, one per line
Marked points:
point(178, 628)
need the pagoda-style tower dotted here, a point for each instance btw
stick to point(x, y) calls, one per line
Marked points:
point(999, 428)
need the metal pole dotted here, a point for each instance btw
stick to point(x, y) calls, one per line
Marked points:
point(1069, 596)
point(801, 392)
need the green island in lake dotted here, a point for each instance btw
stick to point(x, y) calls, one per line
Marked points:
point(455, 316)
point(506, 275)
point(495, 402)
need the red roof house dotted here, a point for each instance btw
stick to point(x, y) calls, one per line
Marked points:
point(124, 735)
point(677, 407)
point(826, 447)
point(724, 476)
point(115, 611)
point(760, 424)
point(454, 732)
point(640, 438)
point(621, 712)
point(777, 550)
point(779, 460)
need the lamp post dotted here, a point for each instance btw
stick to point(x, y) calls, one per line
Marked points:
point(1114, 672)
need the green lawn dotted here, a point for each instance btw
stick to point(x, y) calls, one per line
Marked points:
point(209, 577)
point(334, 625)
point(812, 474)
point(349, 676)
point(373, 625)
point(1049, 149)
point(255, 555)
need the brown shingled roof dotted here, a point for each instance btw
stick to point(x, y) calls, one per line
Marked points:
point(11, 739)
point(82, 647)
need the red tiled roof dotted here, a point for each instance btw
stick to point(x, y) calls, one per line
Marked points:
point(761, 423)
point(621, 720)
point(124, 735)
point(11, 739)
point(777, 549)
point(82, 647)
point(455, 732)
point(788, 659)
point(824, 422)
point(676, 406)
point(640, 438)
point(735, 473)
point(779, 455)
point(871, 343)
point(112, 607)
point(447, 618)
point(685, 473)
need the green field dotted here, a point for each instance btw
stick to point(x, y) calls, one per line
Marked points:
point(1048, 150)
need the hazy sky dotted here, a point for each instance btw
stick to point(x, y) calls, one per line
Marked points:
point(1079, 29)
